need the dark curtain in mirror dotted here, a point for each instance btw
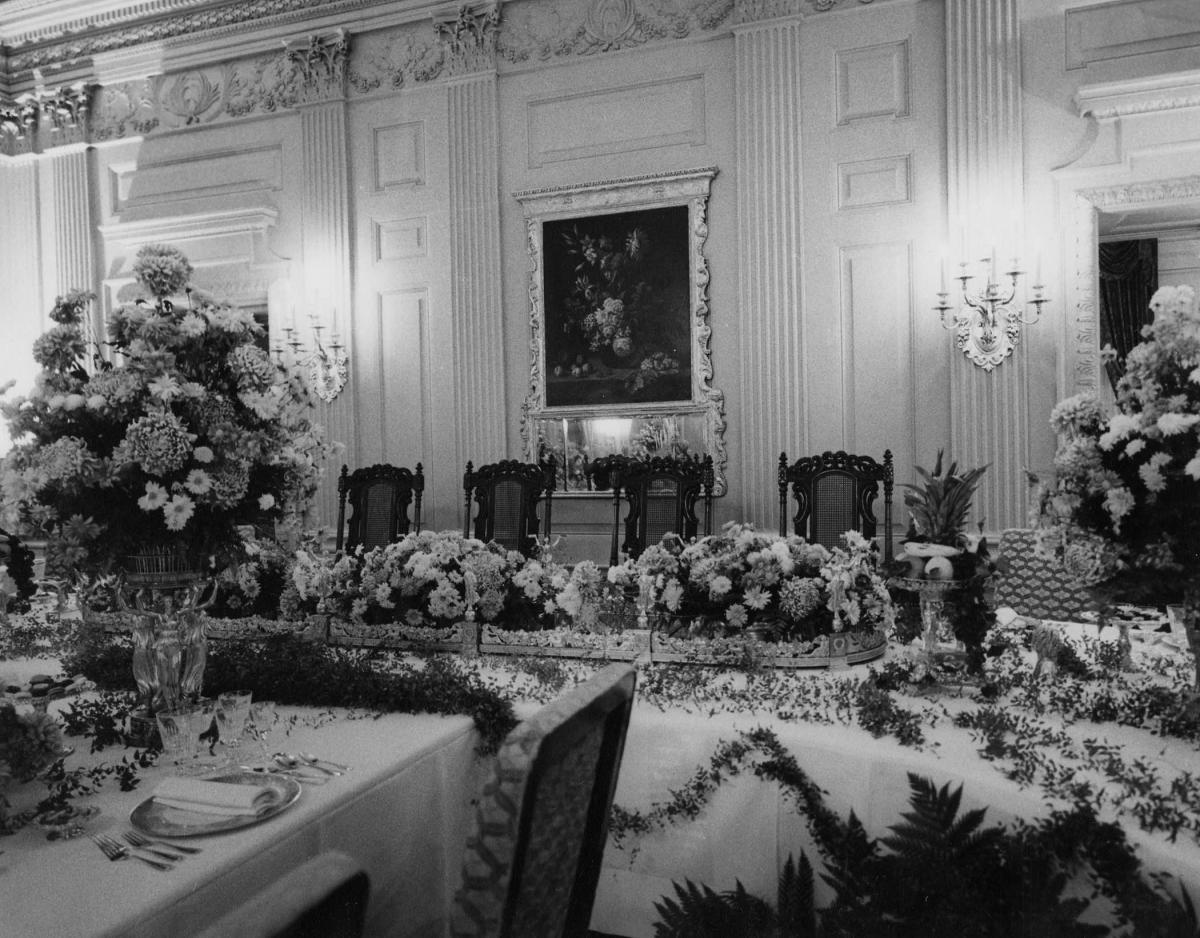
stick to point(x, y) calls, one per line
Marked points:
point(1128, 279)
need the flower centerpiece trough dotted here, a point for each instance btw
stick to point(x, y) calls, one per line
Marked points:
point(138, 458)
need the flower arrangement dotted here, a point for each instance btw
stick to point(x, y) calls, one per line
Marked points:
point(743, 577)
point(183, 430)
point(1122, 510)
point(29, 741)
point(16, 574)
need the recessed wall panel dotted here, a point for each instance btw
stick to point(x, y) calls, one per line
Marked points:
point(618, 120)
point(876, 314)
point(399, 152)
point(401, 238)
point(1130, 27)
point(872, 82)
point(867, 183)
point(403, 351)
point(196, 177)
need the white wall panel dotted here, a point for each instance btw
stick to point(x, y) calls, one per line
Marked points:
point(402, 352)
point(195, 176)
point(868, 183)
point(638, 116)
point(872, 82)
point(399, 155)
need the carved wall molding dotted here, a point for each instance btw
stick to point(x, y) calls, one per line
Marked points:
point(44, 119)
point(399, 58)
point(546, 30)
point(1082, 209)
point(1152, 95)
point(320, 66)
point(469, 40)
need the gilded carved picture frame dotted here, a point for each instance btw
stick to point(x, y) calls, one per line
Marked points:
point(620, 357)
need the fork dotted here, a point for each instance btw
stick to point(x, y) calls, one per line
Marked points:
point(117, 851)
point(146, 845)
point(141, 840)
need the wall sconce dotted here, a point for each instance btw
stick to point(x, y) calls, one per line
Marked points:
point(325, 367)
point(988, 324)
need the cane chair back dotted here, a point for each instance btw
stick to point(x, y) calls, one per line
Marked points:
point(326, 897)
point(541, 817)
point(662, 492)
point(506, 495)
point(379, 497)
point(835, 493)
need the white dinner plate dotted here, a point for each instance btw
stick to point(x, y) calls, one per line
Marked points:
point(159, 820)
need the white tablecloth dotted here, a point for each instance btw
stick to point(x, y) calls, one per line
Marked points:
point(402, 811)
point(749, 826)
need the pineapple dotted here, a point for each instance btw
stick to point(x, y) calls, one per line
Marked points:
point(938, 509)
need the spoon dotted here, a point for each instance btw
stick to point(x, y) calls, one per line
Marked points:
point(321, 763)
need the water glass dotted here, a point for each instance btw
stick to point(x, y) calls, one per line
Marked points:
point(233, 710)
point(207, 733)
point(176, 729)
point(262, 720)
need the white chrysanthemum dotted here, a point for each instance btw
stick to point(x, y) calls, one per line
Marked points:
point(155, 497)
point(178, 512)
point(1119, 427)
point(1152, 472)
point(198, 482)
point(202, 454)
point(1193, 467)
point(266, 502)
point(1172, 423)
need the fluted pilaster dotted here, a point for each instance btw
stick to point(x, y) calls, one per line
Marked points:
point(65, 208)
point(481, 415)
point(770, 240)
point(989, 410)
point(325, 243)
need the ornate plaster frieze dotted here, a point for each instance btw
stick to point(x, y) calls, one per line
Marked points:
point(401, 58)
point(320, 66)
point(261, 85)
point(469, 40)
point(183, 25)
point(1107, 198)
point(544, 30)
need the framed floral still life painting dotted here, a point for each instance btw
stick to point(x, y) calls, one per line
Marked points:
point(619, 321)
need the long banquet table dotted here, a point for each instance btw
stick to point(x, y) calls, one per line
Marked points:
point(401, 811)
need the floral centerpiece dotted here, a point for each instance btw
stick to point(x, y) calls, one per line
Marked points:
point(176, 430)
point(744, 577)
point(16, 574)
point(426, 579)
point(1122, 510)
point(29, 741)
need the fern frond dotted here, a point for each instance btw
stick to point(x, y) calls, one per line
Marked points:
point(796, 903)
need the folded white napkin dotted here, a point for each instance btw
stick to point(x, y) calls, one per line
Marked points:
point(192, 794)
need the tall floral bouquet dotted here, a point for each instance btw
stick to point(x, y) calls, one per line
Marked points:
point(178, 430)
point(743, 576)
point(1123, 508)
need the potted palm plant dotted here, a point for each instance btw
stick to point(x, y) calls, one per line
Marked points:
point(937, 511)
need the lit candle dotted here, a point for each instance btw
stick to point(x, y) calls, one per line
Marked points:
point(944, 290)
point(1037, 275)
point(993, 276)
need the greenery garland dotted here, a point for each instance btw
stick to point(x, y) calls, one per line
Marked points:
point(290, 671)
point(943, 874)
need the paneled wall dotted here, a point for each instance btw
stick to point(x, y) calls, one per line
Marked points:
point(367, 176)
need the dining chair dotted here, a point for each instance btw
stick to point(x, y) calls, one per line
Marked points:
point(506, 496)
point(662, 492)
point(379, 498)
point(835, 493)
point(541, 816)
point(325, 897)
